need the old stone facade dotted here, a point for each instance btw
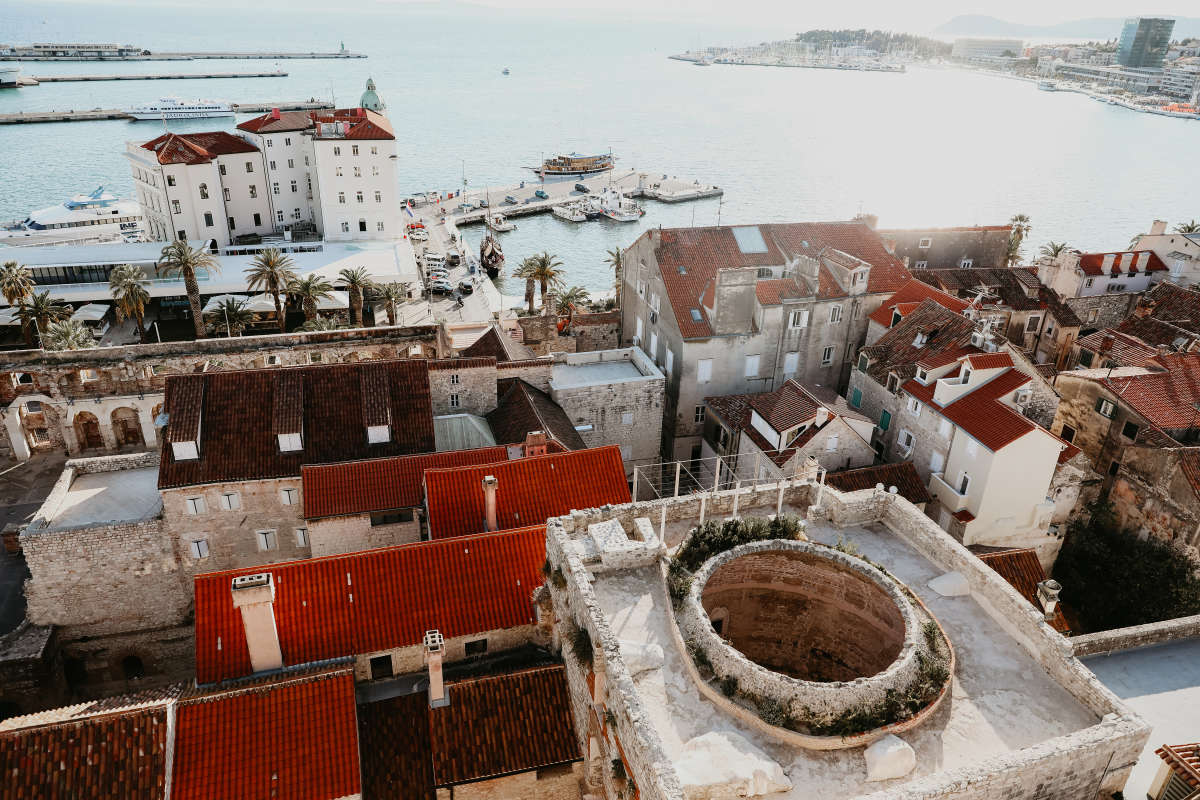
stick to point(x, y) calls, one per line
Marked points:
point(347, 534)
point(462, 385)
point(1155, 493)
point(1080, 421)
point(561, 782)
point(1103, 310)
point(586, 332)
point(950, 248)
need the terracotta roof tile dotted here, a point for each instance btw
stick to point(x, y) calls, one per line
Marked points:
point(1021, 568)
point(786, 407)
point(237, 436)
point(380, 484)
point(990, 360)
point(895, 351)
point(295, 737)
point(979, 412)
point(376, 600)
point(903, 476)
point(196, 148)
point(1166, 315)
point(530, 491)
point(464, 362)
point(1093, 263)
point(1124, 349)
point(286, 121)
point(521, 408)
point(1184, 761)
point(774, 291)
point(490, 344)
point(397, 762)
point(909, 296)
point(1166, 399)
point(360, 123)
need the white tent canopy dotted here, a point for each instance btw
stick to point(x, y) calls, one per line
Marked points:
point(92, 312)
point(262, 303)
point(215, 301)
point(335, 302)
point(8, 316)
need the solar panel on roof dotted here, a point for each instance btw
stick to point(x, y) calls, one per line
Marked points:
point(750, 239)
point(696, 315)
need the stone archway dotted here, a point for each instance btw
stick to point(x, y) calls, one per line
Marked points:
point(127, 427)
point(87, 431)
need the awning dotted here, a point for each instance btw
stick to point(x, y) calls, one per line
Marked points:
point(262, 303)
point(215, 302)
point(8, 316)
point(92, 312)
point(335, 302)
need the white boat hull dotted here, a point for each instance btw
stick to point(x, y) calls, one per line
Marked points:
point(622, 216)
point(570, 215)
point(148, 115)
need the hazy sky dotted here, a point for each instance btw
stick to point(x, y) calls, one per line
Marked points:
point(916, 17)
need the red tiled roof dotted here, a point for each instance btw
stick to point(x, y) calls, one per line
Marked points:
point(380, 484)
point(292, 738)
point(362, 123)
point(963, 516)
point(1023, 571)
point(908, 296)
point(940, 359)
point(1122, 348)
point(786, 407)
point(895, 351)
point(530, 490)
point(773, 292)
point(286, 121)
point(503, 724)
point(980, 413)
point(196, 148)
point(903, 476)
point(1166, 399)
point(689, 259)
point(376, 599)
point(1183, 760)
point(1093, 263)
point(957, 228)
point(990, 360)
point(237, 419)
point(94, 754)
point(465, 362)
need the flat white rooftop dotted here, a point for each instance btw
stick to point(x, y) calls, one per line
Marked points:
point(1001, 699)
point(119, 496)
point(603, 367)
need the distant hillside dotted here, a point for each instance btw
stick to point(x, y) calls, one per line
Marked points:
point(1096, 28)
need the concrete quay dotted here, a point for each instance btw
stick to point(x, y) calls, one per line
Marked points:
point(188, 56)
point(21, 118)
point(169, 76)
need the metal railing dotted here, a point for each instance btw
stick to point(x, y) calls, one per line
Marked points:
point(718, 473)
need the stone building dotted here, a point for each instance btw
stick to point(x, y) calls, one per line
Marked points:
point(576, 333)
point(1102, 310)
point(1167, 316)
point(739, 310)
point(1111, 348)
point(1179, 251)
point(1076, 274)
point(1156, 492)
point(906, 300)
point(950, 248)
point(770, 435)
point(109, 400)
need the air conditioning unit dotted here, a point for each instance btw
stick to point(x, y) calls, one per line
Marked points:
point(978, 340)
point(274, 361)
point(637, 341)
point(653, 317)
point(1023, 396)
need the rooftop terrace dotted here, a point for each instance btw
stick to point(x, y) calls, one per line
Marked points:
point(602, 368)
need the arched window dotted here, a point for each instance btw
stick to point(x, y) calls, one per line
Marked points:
point(133, 668)
point(204, 191)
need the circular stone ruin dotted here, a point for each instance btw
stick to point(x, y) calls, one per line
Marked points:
point(819, 632)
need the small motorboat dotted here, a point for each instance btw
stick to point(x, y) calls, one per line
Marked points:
point(571, 212)
point(504, 71)
point(499, 223)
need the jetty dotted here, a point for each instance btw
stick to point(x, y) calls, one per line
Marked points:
point(164, 76)
point(30, 117)
point(123, 53)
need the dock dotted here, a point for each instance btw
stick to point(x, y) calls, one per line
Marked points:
point(165, 76)
point(24, 118)
point(185, 56)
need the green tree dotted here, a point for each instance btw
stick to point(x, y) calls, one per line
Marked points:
point(179, 259)
point(39, 310)
point(356, 282)
point(393, 294)
point(1188, 227)
point(575, 296)
point(548, 272)
point(127, 284)
point(70, 334)
point(1053, 249)
point(230, 316)
point(321, 324)
point(16, 284)
point(271, 272)
point(310, 291)
point(616, 259)
point(1020, 229)
point(526, 271)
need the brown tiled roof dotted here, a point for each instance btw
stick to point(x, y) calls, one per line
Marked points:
point(362, 123)
point(237, 439)
point(1183, 760)
point(909, 296)
point(94, 751)
point(1021, 568)
point(1165, 315)
point(1124, 349)
point(980, 413)
point(1003, 284)
point(397, 762)
point(196, 148)
point(284, 122)
point(491, 344)
point(184, 425)
point(287, 402)
point(895, 351)
point(774, 291)
point(521, 408)
point(990, 360)
point(1166, 399)
point(786, 407)
point(903, 476)
point(733, 408)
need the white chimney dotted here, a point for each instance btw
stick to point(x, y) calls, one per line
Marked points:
point(434, 647)
point(490, 484)
point(1142, 261)
point(1047, 595)
point(1158, 227)
point(822, 416)
point(1107, 264)
point(254, 596)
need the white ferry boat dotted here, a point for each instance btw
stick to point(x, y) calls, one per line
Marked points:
point(174, 108)
point(9, 76)
point(571, 212)
point(95, 217)
point(1048, 86)
point(618, 207)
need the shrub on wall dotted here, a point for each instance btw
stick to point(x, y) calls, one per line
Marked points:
point(1113, 579)
point(715, 537)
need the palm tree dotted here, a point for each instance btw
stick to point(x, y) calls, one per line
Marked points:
point(1020, 229)
point(393, 293)
point(526, 271)
point(321, 324)
point(1188, 227)
point(40, 310)
point(128, 286)
point(1053, 249)
point(575, 296)
point(69, 334)
point(16, 284)
point(356, 281)
point(547, 271)
point(178, 258)
point(230, 315)
point(615, 259)
point(309, 291)
point(271, 272)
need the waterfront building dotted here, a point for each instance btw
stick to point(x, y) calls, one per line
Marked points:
point(291, 168)
point(209, 186)
point(1144, 42)
point(1181, 79)
point(939, 248)
point(1133, 79)
point(1179, 251)
point(986, 50)
point(1076, 274)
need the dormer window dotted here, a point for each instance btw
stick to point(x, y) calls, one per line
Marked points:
point(863, 362)
point(379, 434)
point(896, 317)
point(696, 315)
point(924, 243)
point(185, 451)
point(893, 382)
point(966, 375)
point(923, 376)
point(290, 442)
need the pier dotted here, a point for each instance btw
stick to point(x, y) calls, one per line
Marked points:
point(165, 76)
point(23, 118)
point(167, 56)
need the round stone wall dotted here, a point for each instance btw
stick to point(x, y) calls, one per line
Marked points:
point(815, 629)
point(805, 616)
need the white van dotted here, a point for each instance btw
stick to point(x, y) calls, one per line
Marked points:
point(434, 259)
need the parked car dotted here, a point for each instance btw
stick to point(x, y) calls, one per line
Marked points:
point(467, 206)
point(419, 235)
point(434, 260)
point(437, 272)
point(582, 188)
point(453, 259)
point(483, 203)
point(466, 287)
point(510, 200)
point(541, 194)
point(441, 286)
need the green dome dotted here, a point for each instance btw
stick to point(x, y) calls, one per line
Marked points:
point(370, 99)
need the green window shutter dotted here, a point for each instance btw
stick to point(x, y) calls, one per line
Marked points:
point(856, 398)
point(885, 419)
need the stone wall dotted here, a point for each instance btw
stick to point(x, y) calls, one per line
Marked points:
point(588, 332)
point(552, 783)
point(348, 534)
point(535, 372)
point(99, 665)
point(30, 670)
point(1096, 435)
point(411, 659)
point(1152, 495)
point(1102, 310)
point(1118, 639)
point(1043, 401)
point(467, 382)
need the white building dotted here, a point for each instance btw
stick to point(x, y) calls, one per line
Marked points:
point(201, 186)
point(1179, 251)
point(1182, 79)
point(284, 138)
point(1075, 274)
point(355, 156)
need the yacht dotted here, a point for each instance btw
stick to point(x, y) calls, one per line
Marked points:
point(1048, 86)
point(618, 207)
point(571, 212)
point(96, 217)
point(174, 108)
point(499, 223)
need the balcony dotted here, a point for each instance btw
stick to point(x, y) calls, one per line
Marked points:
point(946, 494)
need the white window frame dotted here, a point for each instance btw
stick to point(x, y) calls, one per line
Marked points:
point(289, 495)
point(963, 485)
point(266, 540)
point(791, 362)
point(925, 242)
point(231, 501)
point(704, 370)
point(835, 315)
point(922, 264)
point(827, 356)
point(670, 362)
point(454, 379)
point(199, 548)
point(753, 362)
point(301, 537)
point(699, 414)
point(798, 318)
point(455, 401)
point(913, 406)
point(194, 505)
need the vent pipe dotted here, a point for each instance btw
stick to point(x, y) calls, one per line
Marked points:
point(1047, 595)
point(434, 647)
point(254, 596)
point(490, 484)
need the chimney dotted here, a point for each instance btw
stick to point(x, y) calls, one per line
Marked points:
point(275, 113)
point(1126, 262)
point(1106, 344)
point(1047, 595)
point(489, 501)
point(1107, 264)
point(889, 244)
point(1142, 261)
point(1158, 227)
point(535, 443)
point(434, 646)
point(254, 596)
point(822, 416)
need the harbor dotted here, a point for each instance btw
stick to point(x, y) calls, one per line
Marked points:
point(163, 76)
point(31, 117)
point(86, 51)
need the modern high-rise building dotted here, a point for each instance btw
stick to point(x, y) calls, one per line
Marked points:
point(1144, 42)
